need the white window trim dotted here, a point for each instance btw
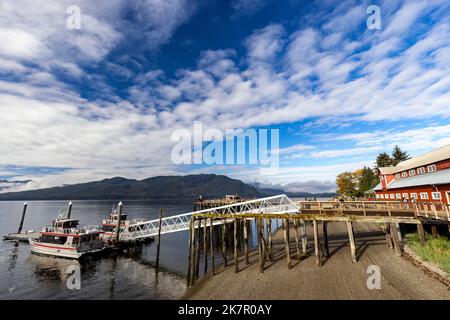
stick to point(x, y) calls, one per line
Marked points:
point(414, 195)
point(412, 172)
point(392, 196)
point(421, 170)
point(405, 195)
point(434, 195)
point(398, 196)
point(431, 168)
point(404, 174)
point(424, 197)
point(397, 176)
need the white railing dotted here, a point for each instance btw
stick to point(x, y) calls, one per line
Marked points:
point(275, 204)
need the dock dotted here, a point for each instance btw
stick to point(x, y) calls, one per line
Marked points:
point(21, 237)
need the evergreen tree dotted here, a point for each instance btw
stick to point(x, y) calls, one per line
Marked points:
point(398, 155)
point(384, 160)
point(366, 180)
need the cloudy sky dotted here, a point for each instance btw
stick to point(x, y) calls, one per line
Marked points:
point(101, 101)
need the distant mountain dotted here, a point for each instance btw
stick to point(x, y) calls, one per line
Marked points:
point(270, 191)
point(160, 187)
point(6, 184)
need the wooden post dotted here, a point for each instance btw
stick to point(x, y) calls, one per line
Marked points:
point(69, 210)
point(236, 261)
point(297, 245)
point(159, 238)
point(205, 247)
point(262, 247)
point(119, 216)
point(325, 239)
point(246, 241)
point(434, 232)
point(269, 238)
point(191, 250)
point(351, 237)
point(421, 233)
point(197, 244)
point(387, 232)
point(304, 237)
point(224, 244)
point(24, 210)
point(286, 242)
point(316, 244)
point(394, 235)
point(211, 241)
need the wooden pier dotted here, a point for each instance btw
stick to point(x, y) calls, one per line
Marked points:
point(388, 215)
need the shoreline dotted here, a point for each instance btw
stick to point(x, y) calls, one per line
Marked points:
point(337, 279)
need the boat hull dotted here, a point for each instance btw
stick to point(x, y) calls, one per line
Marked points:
point(60, 251)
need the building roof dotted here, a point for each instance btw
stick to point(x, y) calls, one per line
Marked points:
point(434, 178)
point(378, 187)
point(433, 156)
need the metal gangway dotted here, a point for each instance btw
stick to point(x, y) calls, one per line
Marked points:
point(276, 204)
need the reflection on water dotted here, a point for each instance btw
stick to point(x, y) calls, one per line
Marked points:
point(130, 275)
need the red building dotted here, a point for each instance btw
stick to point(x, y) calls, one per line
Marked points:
point(425, 178)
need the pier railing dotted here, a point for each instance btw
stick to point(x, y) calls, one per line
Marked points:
point(275, 204)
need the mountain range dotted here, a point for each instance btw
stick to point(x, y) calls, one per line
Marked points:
point(158, 188)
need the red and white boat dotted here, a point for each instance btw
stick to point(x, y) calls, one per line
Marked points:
point(108, 227)
point(64, 239)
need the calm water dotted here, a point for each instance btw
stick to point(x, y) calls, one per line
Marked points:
point(129, 276)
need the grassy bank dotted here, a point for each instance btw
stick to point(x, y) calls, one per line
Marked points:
point(435, 250)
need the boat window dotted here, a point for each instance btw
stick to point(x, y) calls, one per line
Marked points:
point(75, 240)
point(53, 239)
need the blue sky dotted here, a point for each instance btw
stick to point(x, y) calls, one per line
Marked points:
point(100, 101)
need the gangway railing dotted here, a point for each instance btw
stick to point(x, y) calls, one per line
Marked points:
point(274, 204)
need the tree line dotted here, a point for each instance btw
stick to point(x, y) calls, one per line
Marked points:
point(355, 184)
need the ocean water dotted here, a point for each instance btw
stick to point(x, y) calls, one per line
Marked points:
point(127, 276)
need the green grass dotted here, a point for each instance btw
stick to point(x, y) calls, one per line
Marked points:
point(435, 250)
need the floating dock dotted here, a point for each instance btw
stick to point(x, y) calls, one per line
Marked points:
point(21, 237)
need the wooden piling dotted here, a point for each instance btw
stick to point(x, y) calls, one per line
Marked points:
point(191, 250)
point(262, 247)
point(224, 244)
point(24, 210)
point(211, 241)
point(396, 240)
point(197, 249)
point(421, 233)
point(119, 216)
point(235, 252)
point(317, 244)
point(304, 236)
point(351, 238)
point(205, 248)
point(246, 241)
point(434, 231)
point(325, 239)
point(69, 210)
point(387, 232)
point(286, 242)
point(297, 244)
point(159, 238)
point(269, 239)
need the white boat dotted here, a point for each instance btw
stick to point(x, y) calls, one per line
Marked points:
point(109, 225)
point(64, 239)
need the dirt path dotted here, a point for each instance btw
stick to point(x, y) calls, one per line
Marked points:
point(338, 278)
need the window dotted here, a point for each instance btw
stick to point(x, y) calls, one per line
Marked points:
point(392, 196)
point(412, 172)
point(404, 174)
point(421, 170)
point(381, 196)
point(431, 168)
point(436, 196)
point(424, 195)
point(414, 196)
point(406, 196)
point(398, 195)
point(397, 176)
point(377, 196)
